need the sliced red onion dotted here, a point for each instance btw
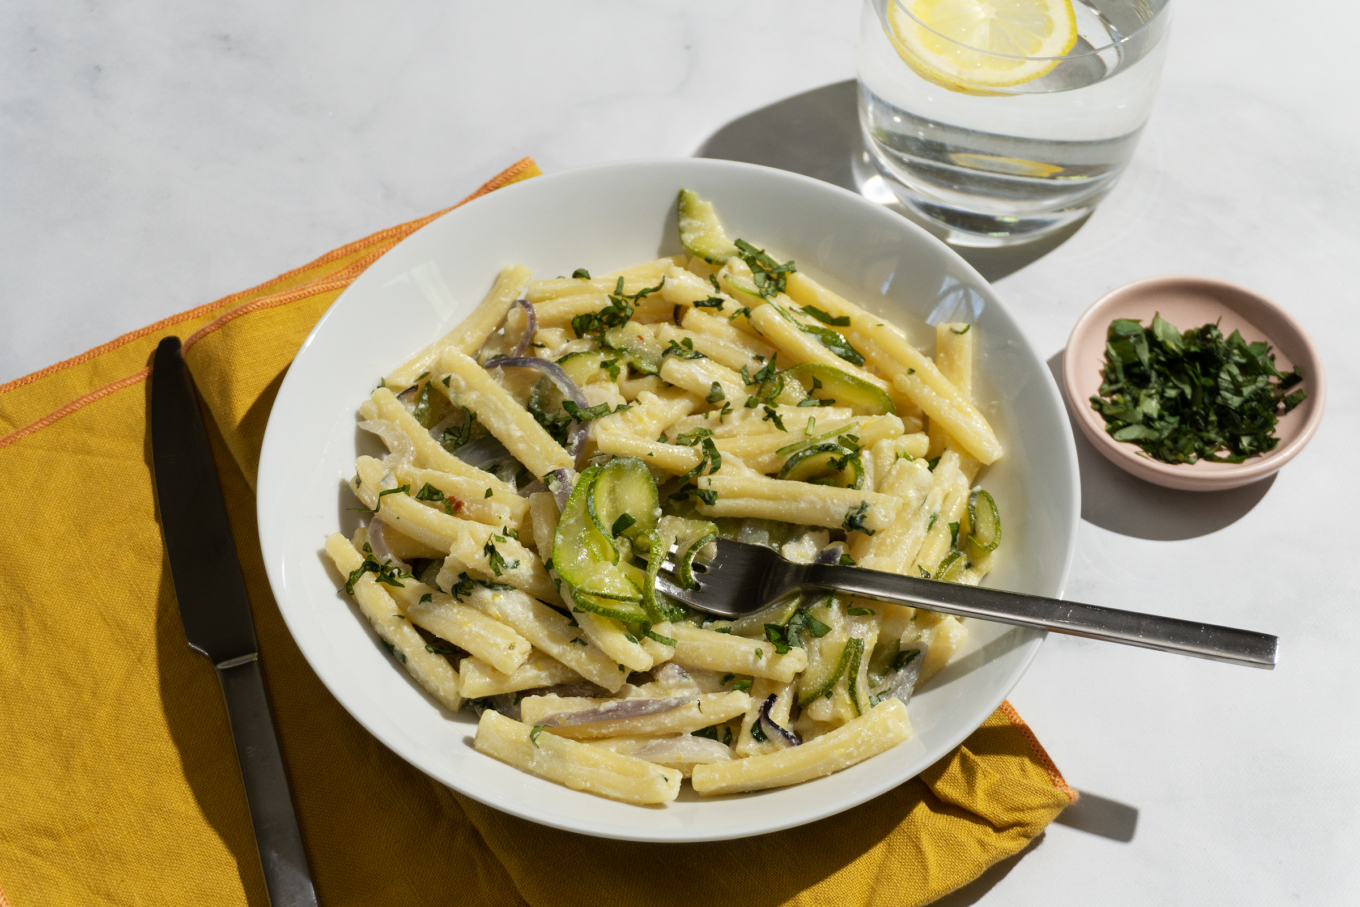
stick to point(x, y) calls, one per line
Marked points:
point(505, 703)
point(777, 734)
point(377, 540)
point(831, 554)
point(530, 328)
point(533, 487)
point(484, 452)
point(617, 710)
point(444, 424)
point(561, 484)
point(401, 447)
point(900, 683)
point(670, 750)
point(408, 397)
point(579, 688)
point(552, 370)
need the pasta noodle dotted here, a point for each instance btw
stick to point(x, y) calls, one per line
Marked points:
point(540, 453)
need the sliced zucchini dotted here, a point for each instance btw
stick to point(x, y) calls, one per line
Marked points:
point(624, 498)
point(640, 346)
point(689, 543)
point(952, 568)
point(586, 367)
point(582, 555)
point(859, 698)
point(827, 382)
point(853, 650)
point(984, 522)
point(825, 464)
point(700, 231)
point(628, 612)
point(779, 613)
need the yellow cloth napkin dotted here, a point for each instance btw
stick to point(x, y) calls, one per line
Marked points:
point(118, 779)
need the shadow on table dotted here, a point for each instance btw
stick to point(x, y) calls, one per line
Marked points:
point(1101, 816)
point(1091, 813)
point(817, 134)
point(1114, 500)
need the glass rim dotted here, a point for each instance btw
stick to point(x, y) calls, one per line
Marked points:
point(1156, 16)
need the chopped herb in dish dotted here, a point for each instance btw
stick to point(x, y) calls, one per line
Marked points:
point(1192, 395)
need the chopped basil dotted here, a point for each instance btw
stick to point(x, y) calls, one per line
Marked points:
point(533, 734)
point(496, 561)
point(1194, 395)
point(854, 519)
point(769, 276)
point(826, 318)
point(716, 393)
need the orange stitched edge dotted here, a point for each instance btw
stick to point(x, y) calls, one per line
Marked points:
point(1042, 754)
point(267, 302)
point(494, 183)
point(70, 408)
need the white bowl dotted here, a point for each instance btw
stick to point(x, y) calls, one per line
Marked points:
point(604, 218)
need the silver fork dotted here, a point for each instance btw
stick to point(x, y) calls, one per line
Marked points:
point(742, 579)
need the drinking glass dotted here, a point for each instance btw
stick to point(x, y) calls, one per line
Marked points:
point(1000, 148)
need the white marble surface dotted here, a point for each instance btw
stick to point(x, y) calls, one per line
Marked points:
point(156, 156)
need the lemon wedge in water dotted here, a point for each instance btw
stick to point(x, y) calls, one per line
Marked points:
point(975, 45)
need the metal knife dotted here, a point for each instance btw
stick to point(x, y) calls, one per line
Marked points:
point(216, 615)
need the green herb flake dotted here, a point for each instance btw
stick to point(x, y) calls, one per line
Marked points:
point(854, 519)
point(716, 393)
point(488, 493)
point(533, 735)
point(497, 563)
point(581, 274)
point(826, 318)
point(769, 276)
point(1194, 395)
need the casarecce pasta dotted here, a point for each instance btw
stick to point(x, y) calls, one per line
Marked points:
point(542, 451)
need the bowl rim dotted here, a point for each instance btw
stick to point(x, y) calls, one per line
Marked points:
point(1131, 458)
point(275, 571)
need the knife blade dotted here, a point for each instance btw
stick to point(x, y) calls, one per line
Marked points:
point(216, 614)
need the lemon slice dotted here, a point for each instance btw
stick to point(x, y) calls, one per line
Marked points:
point(975, 45)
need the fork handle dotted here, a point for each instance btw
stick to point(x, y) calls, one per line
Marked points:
point(1149, 631)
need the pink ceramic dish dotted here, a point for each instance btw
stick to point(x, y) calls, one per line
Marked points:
point(1189, 302)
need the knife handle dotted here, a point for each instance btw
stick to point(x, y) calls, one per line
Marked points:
point(286, 873)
